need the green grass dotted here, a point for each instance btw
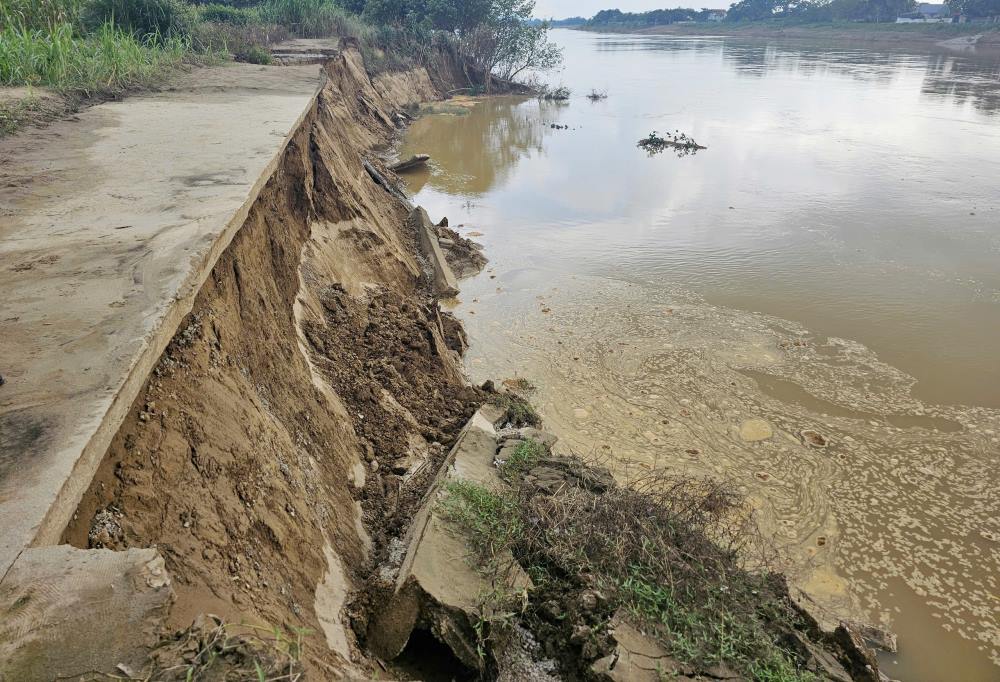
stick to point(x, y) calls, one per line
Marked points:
point(669, 555)
point(490, 518)
point(312, 18)
point(40, 13)
point(524, 457)
point(107, 62)
point(712, 629)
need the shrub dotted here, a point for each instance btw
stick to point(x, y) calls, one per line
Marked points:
point(247, 43)
point(308, 18)
point(255, 54)
point(142, 18)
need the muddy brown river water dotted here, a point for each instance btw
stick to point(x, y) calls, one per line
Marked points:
point(829, 264)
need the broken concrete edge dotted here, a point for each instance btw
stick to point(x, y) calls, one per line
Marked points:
point(414, 161)
point(445, 283)
point(52, 525)
point(436, 586)
point(68, 612)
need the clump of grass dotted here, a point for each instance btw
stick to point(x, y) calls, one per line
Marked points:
point(227, 14)
point(597, 95)
point(104, 63)
point(141, 18)
point(40, 14)
point(15, 114)
point(311, 18)
point(245, 42)
point(490, 518)
point(519, 384)
point(676, 554)
point(525, 456)
point(517, 411)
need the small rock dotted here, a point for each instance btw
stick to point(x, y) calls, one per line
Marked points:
point(877, 637)
point(447, 243)
point(753, 430)
point(2, 380)
point(581, 633)
point(543, 437)
point(443, 223)
point(590, 600)
point(552, 609)
point(813, 439)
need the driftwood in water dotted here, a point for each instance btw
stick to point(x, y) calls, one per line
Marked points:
point(414, 161)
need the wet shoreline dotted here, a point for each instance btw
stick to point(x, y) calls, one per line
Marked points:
point(663, 305)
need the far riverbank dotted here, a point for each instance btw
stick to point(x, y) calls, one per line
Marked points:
point(980, 37)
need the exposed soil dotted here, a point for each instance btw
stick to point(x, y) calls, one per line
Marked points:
point(268, 449)
point(381, 352)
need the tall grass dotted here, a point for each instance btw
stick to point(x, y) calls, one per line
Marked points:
point(40, 14)
point(106, 62)
point(313, 18)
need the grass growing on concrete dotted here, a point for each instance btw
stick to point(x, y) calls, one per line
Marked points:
point(490, 518)
point(525, 456)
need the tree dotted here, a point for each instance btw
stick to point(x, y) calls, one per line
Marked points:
point(975, 8)
point(505, 43)
point(752, 10)
point(499, 37)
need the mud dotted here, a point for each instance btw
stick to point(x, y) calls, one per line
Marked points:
point(877, 500)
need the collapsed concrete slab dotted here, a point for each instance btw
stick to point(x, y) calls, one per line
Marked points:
point(65, 612)
point(437, 587)
point(415, 161)
point(444, 281)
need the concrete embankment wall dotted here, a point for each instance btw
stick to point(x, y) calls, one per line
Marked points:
point(271, 438)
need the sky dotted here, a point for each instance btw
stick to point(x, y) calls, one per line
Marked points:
point(560, 9)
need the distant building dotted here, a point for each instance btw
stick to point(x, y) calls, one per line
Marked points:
point(927, 14)
point(716, 15)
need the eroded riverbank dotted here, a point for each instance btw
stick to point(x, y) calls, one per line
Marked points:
point(625, 290)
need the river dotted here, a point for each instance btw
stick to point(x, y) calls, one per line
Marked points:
point(830, 263)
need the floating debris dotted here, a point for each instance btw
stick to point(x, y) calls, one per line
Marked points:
point(678, 142)
point(559, 94)
point(814, 439)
